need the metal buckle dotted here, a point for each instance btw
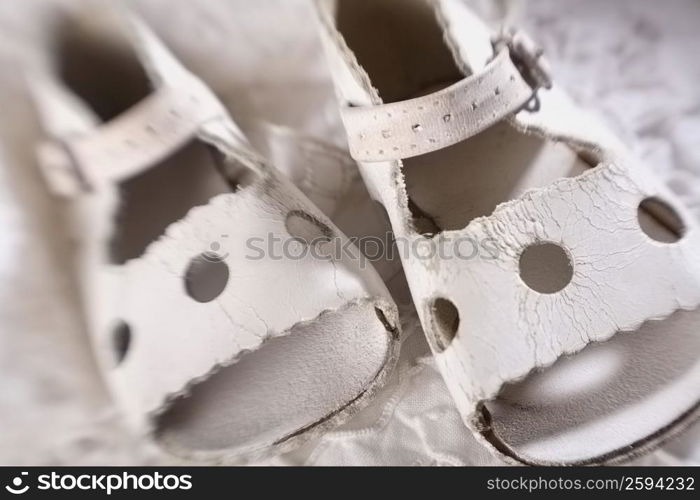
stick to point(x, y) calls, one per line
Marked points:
point(527, 56)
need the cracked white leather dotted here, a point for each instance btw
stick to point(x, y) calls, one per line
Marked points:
point(546, 175)
point(54, 407)
point(263, 352)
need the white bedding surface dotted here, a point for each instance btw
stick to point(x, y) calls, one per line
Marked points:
point(635, 61)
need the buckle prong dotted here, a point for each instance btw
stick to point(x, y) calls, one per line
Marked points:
point(527, 56)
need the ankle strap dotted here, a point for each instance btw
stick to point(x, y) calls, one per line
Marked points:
point(413, 127)
point(131, 143)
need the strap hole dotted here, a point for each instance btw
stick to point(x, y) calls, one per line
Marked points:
point(206, 277)
point(445, 318)
point(121, 340)
point(546, 267)
point(307, 228)
point(660, 221)
point(417, 127)
point(423, 222)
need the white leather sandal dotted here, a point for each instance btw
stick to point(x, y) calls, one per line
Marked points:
point(213, 347)
point(533, 236)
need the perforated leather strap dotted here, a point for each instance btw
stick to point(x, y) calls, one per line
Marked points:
point(428, 123)
point(135, 140)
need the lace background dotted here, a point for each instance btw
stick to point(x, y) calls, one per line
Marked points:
point(634, 61)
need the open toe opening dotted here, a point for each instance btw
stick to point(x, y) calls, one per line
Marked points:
point(606, 401)
point(290, 385)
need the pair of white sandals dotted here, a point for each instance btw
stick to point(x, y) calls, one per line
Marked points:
point(544, 238)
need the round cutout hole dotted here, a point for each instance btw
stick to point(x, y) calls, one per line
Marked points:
point(445, 323)
point(660, 221)
point(206, 277)
point(121, 340)
point(307, 228)
point(546, 267)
